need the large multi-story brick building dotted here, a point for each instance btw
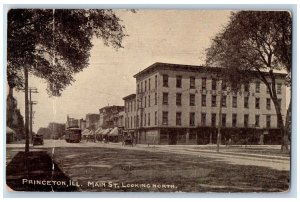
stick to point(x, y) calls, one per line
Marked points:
point(180, 104)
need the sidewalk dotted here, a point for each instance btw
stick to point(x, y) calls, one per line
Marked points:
point(271, 161)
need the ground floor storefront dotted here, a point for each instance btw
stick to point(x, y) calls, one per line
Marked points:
point(206, 135)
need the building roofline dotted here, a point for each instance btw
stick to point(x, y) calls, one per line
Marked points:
point(133, 95)
point(111, 106)
point(192, 68)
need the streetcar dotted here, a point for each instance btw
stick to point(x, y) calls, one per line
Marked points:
point(73, 135)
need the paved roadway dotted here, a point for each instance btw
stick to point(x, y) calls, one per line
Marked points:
point(239, 158)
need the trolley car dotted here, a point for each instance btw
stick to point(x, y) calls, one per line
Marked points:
point(73, 135)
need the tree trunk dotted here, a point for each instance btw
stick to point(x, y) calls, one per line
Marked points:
point(219, 124)
point(280, 125)
point(288, 121)
point(26, 112)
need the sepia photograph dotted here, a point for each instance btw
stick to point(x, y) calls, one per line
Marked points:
point(148, 100)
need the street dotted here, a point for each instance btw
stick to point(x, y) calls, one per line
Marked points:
point(113, 167)
point(232, 155)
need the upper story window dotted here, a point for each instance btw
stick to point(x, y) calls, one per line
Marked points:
point(155, 99)
point(165, 118)
point(138, 88)
point(257, 103)
point(279, 85)
point(192, 118)
point(214, 84)
point(279, 102)
point(257, 86)
point(192, 99)
point(204, 83)
point(213, 100)
point(234, 101)
point(178, 81)
point(203, 119)
point(246, 102)
point(223, 120)
point(178, 99)
point(178, 118)
point(213, 119)
point(141, 87)
point(149, 119)
point(145, 85)
point(155, 81)
point(268, 103)
point(165, 80)
point(224, 86)
point(246, 120)
point(192, 82)
point(246, 87)
point(224, 100)
point(234, 120)
point(149, 83)
point(268, 121)
point(256, 120)
point(203, 101)
point(165, 98)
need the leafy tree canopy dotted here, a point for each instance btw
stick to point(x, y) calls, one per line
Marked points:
point(253, 40)
point(55, 44)
point(253, 45)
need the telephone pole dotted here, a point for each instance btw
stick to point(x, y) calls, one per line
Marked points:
point(28, 110)
point(31, 103)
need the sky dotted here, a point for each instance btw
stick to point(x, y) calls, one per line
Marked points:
point(153, 36)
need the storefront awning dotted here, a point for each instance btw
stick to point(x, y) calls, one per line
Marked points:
point(114, 132)
point(98, 131)
point(91, 133)
point(105, 131)
point(85, 132)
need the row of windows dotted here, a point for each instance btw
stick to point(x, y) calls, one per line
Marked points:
point(132, 122)
point(213, 84)
point(145, 85)
point(214, 118)
point(130, 106)
point(214, 101)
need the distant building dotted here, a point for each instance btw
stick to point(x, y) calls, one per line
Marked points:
point(92, 121)
point(179, 104)
point(121, 122)
point(131, 114)
point(57, 130)
point(72, 122)
point(109, 116)
point(82, 124)
point(14, 118)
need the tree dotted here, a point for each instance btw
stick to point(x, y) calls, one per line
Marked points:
point(253, 45)
point(55, 44)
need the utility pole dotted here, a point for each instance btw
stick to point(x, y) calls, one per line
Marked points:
point(220, 119)
point(31, 90)
point(26, 111)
